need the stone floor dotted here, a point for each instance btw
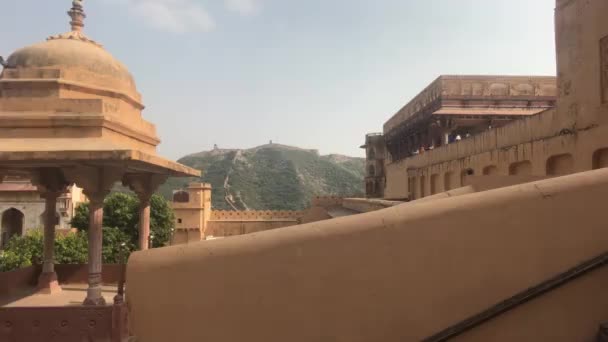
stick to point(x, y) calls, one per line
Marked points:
point(71, 294)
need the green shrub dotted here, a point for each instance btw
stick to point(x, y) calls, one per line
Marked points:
point(121, 210)
point(24, 251)
point(115, 240)
point(10, 260)
point(72, 249)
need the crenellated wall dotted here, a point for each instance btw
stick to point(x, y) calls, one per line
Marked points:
point(230, 223)
point(255, 215)
point(196, 221)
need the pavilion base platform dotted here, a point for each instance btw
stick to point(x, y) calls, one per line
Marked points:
point(69, 295)
point(30, 316)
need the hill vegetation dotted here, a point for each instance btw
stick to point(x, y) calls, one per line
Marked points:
point(272, 177)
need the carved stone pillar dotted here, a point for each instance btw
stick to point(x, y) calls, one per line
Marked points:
point(51, 184)
point(47, 282)
point(94, 294)
point(96, 182)
point(144, 221)
point(144, 185)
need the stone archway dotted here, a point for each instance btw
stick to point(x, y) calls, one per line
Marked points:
point(12, 224)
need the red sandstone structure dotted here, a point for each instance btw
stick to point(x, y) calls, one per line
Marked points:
point(451, 109)
point(503, 239)
point(70, 114)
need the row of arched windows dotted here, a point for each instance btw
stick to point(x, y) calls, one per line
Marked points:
point(557, 165)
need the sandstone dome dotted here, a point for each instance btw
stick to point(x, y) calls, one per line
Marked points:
point(71, 53)
point(76, 59)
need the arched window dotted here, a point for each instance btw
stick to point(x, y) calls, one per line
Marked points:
point(12, 224)
point(371, 171)
point(562, 164)
point(521, 168)
point(181, 197)
point(447, 181)
point(464, 174)
point(434, 184)
point(372, 153)
point(600, 159)
point(490, 170)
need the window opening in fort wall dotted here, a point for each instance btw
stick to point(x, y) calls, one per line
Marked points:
point(604, 68)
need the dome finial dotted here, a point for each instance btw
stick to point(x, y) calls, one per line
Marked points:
point(77, 23)
point(77, 14)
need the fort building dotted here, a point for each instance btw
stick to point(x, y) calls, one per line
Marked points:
point(375, 155)
point(196, 220)
point(449, 110)
point(22, 208)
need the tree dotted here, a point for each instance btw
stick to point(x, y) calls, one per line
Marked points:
point(121, 211)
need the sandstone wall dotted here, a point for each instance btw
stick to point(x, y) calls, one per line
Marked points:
point(447, 167)
point(232, 228)
point(230, 223)
point(363, 205)
point(326, 201)
point(255, 215)
point(398, 274)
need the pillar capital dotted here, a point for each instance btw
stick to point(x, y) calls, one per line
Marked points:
point(96, 181)
point(144, 185)
point(96, 198)
point(50, 182)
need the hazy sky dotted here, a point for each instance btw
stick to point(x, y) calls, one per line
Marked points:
point(311, 73)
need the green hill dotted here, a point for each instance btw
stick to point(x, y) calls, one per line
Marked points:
point(272, 177)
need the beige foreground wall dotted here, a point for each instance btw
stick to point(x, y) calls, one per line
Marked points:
point(398, 274)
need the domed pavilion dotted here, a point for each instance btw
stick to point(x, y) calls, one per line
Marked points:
point(70, 113)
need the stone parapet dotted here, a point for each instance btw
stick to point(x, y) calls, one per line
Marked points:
point(326, 201)
point(255, 215)
point(529, 129)
point(364, 205)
